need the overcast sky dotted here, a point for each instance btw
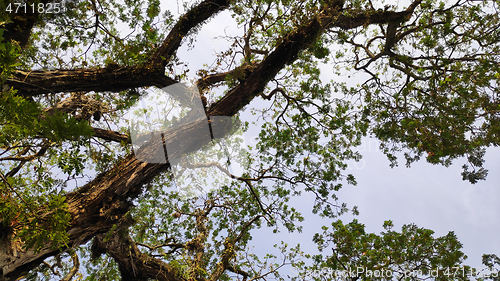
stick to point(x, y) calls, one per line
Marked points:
point(430, 196)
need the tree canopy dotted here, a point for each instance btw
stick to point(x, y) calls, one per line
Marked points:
point(78, 200)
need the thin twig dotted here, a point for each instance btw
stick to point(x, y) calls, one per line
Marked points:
point(18, 195)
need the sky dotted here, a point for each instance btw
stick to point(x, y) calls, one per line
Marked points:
point(430, 196)
point(427, 195)
point(433, 197)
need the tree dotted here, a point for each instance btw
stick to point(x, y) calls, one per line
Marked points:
point(412, 254)
point(71, 69)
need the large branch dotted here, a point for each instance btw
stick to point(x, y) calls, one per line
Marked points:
point(350, 21)
point(111, 78)
point(285, 53)
point(210, 80)
point(109, 135)
point(114, 78)
point(190, 20)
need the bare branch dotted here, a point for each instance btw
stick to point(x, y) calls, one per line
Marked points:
point(27, 158)
point(238, 271)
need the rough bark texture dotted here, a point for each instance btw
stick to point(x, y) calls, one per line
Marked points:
point(111, 78)
point(186, 23)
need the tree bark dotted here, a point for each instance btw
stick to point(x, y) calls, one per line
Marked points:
point(186, 23)
point(111, 78)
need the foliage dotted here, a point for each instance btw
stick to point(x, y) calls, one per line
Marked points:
point(431, 76)
point(411, 254)
point(433, 91)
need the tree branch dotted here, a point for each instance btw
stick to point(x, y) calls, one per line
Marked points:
point(186, 23)
point(239, 72)
point(75, 268)
point(109, 135)
point(374, 17)
point(111, 78)
point(41, 152)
